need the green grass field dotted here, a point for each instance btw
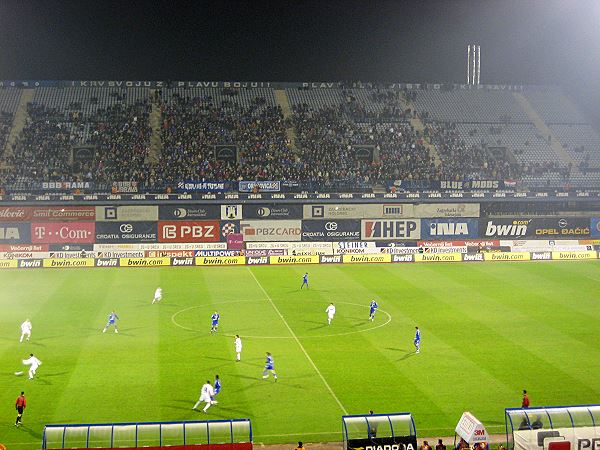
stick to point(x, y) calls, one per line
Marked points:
point(488, 331)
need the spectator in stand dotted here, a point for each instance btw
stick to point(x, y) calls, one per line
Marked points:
point(440, 445)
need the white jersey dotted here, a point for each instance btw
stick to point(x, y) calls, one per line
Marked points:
point(33, 362)
point(330, 310)
point(26, 327)
point(158, 293)
point(207, 393)
point(238, 345)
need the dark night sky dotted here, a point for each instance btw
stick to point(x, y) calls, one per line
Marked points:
point(522, 42)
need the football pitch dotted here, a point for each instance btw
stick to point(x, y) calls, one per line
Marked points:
point(489, 330)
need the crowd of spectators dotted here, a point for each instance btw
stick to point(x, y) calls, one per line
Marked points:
point(5, 125)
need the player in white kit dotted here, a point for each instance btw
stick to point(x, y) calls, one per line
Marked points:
point(157, 295)
point(330, 313)
point(206, 395)
point(33, 364)
point(238, 348)
point(25, 330)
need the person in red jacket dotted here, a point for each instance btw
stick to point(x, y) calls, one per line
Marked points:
point(525, 403)
point(20, 405)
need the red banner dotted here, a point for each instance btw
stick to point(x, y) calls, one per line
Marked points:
point(23, 248)
point(15, 214)
point(63, 233)
point(469, 243)
point(188, 231)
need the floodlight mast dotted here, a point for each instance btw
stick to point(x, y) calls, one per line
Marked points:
point(473, 64)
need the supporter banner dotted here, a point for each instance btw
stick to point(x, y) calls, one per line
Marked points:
point(107, 262)
point(126, 213)
point(448, 228)
point(390, 230)
point(438, 257)
point(235, 241)
point(9, 264)
point(15, 233)
point(560, 227)
point(330, 259)
point(505, 227)
point(126, 232)
point(262, 186)
point(63, 213)
point(125, 186)
point(514, 256)
point(144, 262)
point(226, 153)
point(467, 185)
point(231, 212)
point(595, 226)
point(66, 185)
point(15, 213)
point(311, 259)
point(63, 233)
point(352, 259)
point(72, 262)
point(364, 152)
point(189, 231)
point(433, 210)
point(272, 211)
point(202, 186)
point(188, 212)
point(358, 211)
point(331, 230)
point(575, 255)
point(220, 261)
point(229, 228)
point(271, 230)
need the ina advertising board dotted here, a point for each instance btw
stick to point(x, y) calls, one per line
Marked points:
point(331, 230)
point(272, 211)
point(271, 230)
point(449, 228)
point(15, 233)
point(390, 230)
point(126, 213)
point(595, 227)
point(63, 233)
point(115, 232)
point(188, 212)
point(435, 210)
point(189, 231)
point(357, 211)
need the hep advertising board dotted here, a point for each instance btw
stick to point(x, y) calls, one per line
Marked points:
point(126, 213)
point(358, 211)
point(272, 211)
point(15, 233)
point(188, 231)
point(595, 227)
point(271, 230)
point(390, 230)
point(188, 212)
point(115, 232)
point(63, 233)
point(449, 228)
point(331, 230)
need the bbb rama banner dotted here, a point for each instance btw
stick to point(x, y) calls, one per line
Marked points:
point(331, 230)
point(449, 228)
point(115, 232)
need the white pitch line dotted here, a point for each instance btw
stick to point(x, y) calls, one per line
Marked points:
point(312, 363)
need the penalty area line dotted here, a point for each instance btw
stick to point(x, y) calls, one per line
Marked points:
point(312, 363)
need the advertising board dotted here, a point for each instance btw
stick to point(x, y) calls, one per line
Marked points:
point(144, 262)
point(231, 212)
point(434, 210)
point(438, 257)
point(63, 233)
point(15, 233)
point(574, 255)
point(272, 211)
point(188, 212)
point(331, 230)
point(66, 263)
point(390, 230)
point(559, 227)
point(227, 228)
point(127, 213)
point(449, 228)
point(107, 232)
point(189, 231)
point(594, 228)
point(15, 213)
point(162, 246)
point(512, 228)
point(310, 259)
point(358, 211)
point(220, 260)
point(8, 264)
point(271, 230)
point(63, 214)
point(507, 256)
point(357, 248)
point(370, 258)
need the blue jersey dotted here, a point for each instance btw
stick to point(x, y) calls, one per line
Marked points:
point(112, 317)
point(215, 319)
point(269, 364)
point(373, 306)
point(418, 336)
point(305, 279)
point(217, 385)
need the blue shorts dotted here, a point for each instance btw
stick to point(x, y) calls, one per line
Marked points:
point(214, 324)
point(269, 368)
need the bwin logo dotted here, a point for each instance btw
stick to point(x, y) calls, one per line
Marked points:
point(331, 226)
point(448, 229)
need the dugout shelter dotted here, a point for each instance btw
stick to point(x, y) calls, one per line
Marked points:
point(371, 430)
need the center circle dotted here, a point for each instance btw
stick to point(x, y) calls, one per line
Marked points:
point(182, 311)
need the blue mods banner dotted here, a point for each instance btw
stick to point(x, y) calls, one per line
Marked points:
point(449, 228)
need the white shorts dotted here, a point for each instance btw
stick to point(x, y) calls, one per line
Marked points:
point(238, 349)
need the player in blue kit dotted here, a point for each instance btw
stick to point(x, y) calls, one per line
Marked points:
point(304, 280)
point(215, 322)
point(112, 320)
point(269, 367)
point(217, 386)
point(372, 310)
point(417, 340)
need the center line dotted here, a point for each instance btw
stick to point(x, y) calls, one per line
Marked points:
point(299, 343)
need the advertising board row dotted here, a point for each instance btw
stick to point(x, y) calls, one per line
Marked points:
point(333, 230)
point(290, 259)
